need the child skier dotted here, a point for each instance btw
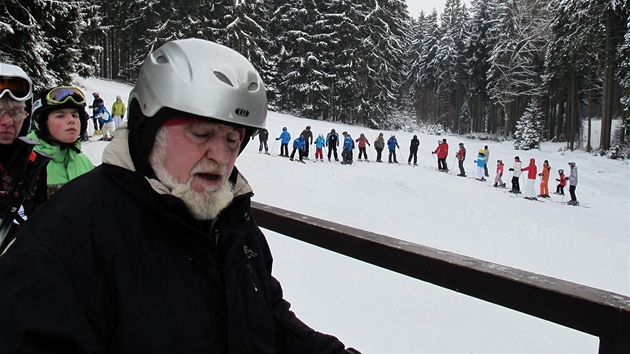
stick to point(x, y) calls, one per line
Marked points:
point(348, 145)
point(573, 181)
point(498, 182)
point(284, 138)
point(531, 179)
point(413, 150)
point(299, 145)
point(516, 188)
point(319, 147)
point(362, 141)
point(481, 162)
point(544, 181)
point(561, 182)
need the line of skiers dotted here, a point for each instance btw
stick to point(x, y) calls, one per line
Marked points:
point(532, 174)
point(332, 141)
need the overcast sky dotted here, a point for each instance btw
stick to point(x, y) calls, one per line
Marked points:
point(415, 6)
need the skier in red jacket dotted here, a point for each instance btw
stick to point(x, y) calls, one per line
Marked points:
point(532, 171)
point(562, 181)
point(442, 154)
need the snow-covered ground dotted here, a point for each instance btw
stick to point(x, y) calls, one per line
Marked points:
point(378, 311)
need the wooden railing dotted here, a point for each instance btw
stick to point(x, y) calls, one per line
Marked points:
point(589, 310)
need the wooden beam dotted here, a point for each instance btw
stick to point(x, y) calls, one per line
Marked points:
point(586, 309)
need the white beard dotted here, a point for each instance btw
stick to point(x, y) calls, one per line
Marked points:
point(203, 205)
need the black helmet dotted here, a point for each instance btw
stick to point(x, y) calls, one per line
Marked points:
point(57, 98)
point(308, 127)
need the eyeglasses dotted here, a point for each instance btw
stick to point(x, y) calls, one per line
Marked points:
point(17, 88)
point(61, 95)
point(17, 114)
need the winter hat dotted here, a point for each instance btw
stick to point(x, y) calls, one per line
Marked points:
point(415, 137)
point(560, 171)
point(532, 160)
point(461, 144)
point(362, 134)
point(53, 99)
point(284, 129)
point(499, 161)
point(380, 134)
point(308, 127)
point(572, 163)
point(444, 140)
point(481, 151)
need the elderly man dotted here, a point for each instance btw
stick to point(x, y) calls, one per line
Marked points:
point(183, 268)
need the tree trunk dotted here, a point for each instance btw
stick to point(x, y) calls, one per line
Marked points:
point(609, 81)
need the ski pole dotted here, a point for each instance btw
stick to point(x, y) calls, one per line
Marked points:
point(452, 166)
point(401, 155)
point(274, 145)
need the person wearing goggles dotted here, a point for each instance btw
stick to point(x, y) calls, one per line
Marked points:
point(15, 93)
point(183, 267)
point(59, 120)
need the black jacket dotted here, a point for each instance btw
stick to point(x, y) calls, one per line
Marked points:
point(123, 269)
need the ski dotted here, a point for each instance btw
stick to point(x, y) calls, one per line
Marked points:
point(533, 200)
point(579, 205)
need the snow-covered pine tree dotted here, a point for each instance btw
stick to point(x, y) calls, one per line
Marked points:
point(479, 43)
point(465, 119)
point(49, 39)
point(451, 73)
point(424, 80)
point(529, 127)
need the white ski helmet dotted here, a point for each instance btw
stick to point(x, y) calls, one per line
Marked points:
point(15, 82)
point(204, 79)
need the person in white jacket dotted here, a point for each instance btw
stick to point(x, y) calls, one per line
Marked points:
point(573, 181)
point(516, 187)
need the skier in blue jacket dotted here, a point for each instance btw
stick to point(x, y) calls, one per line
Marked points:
point(348, 145)
point(298, 144)
point(107, 122)
point(481, 163)
point(284, 138)
point(319, 147)
point(392, 144)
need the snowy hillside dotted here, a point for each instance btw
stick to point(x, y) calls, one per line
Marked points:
point(378, 311)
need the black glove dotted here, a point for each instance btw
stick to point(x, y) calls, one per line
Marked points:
point(277, 138)
point(557, 179)
point(352, 351)
point(540, 174)
point(566, 178)
point(511, 169)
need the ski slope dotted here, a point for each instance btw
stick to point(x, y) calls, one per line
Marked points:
point(378, 311)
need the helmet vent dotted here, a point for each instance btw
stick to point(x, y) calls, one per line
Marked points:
point(253, 86)
point(161, 59)
point(223, 78)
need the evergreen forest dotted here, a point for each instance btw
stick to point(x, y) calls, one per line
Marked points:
point(528, 70)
